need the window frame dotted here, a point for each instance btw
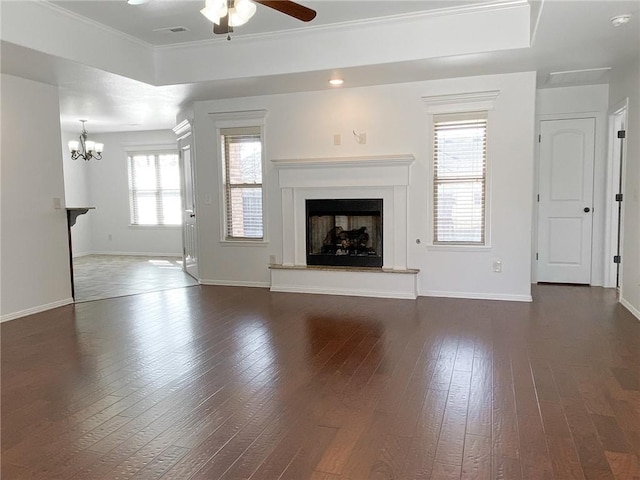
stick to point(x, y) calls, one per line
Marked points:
point(156, 150)
point(461, 118)
point(238, 120)
point(451, 104)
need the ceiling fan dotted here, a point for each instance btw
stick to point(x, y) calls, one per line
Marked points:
point(226, 14)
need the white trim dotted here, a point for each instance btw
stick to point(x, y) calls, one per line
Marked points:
point(160, 147)
point(461, 102)
point(478, 296)
point(371, 160)
point(350, 25)
point(600, 118)
point(138, 254)
point(182, 130)
point(243, 118)
point(485, 99)
point(243, 243)
point(611, 188)
point(135, 226)
point(234, 283)
point(461, 248)
point(634, 311)
point(343, 292)
point(81, 254)
point(38, 309)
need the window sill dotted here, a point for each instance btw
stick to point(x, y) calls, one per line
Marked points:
point(155, 227)
point(459, 248)
point(244, 243)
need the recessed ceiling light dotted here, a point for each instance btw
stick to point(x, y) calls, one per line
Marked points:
point(336, 82)
point(619, 20)
point(136, 2)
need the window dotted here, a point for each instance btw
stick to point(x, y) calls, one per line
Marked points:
point(154, 188)
point(242, 182)
point(459, 178)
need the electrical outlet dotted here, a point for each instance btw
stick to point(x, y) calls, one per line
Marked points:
point(57, 203)
point(497, 266)
point(362, 138)
point(109, 237)
point(337, 139)
point(207, 199)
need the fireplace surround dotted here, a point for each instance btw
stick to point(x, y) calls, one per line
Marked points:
point(384, 178)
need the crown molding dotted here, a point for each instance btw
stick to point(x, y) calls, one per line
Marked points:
point(348, 26)
point(183, 129)
point(95, 25)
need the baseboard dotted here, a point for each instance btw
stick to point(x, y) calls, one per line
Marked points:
point(31, 311)
point(234, 283)
point(343, 292)
point(478, 296)
point(138, 254)
point(634, 311)
point(81, 254)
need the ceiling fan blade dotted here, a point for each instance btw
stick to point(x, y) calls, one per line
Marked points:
point(224, 27)
point(292, 9)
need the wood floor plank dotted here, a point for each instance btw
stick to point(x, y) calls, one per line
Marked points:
point(476, 463)
point(233, 383)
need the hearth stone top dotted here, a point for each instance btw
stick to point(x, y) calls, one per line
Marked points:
point(409, 271)
point(402, 159)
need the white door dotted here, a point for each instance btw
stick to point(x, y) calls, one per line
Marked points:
point(189, 231)
point(565, 209)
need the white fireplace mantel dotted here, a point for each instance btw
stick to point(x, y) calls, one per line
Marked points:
point(379, 176)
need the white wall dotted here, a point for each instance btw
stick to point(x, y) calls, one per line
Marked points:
point(303, 125)
point(77, 194)
point(573, 102)
point(625, 83)
point(34, 254)
point(109, 193)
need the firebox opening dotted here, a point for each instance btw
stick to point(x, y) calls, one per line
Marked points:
point(344, 232)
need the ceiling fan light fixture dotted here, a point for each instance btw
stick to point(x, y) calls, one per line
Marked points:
point(241, 12)
point(214, 10)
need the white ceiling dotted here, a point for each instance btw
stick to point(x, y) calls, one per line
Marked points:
point(571, 35)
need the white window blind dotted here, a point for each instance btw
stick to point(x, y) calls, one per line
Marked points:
point(242, 172)
point(154, 189)
point(459, 178)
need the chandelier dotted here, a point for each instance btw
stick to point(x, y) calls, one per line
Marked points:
point(84, 148)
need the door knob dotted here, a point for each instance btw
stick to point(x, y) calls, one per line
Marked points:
point(587, 209)
point(192, 215)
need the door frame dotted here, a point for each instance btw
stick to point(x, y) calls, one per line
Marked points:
point(614, 173)
point(183, 131)
point(599, 187)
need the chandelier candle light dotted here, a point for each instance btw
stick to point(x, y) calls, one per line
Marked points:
point(84, 148)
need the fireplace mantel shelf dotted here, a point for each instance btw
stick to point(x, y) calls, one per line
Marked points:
point(410, 271)
point(370, 160)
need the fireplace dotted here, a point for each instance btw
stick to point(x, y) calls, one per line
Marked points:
point(344, 232)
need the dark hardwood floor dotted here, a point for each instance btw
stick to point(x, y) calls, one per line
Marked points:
point(237, 383)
